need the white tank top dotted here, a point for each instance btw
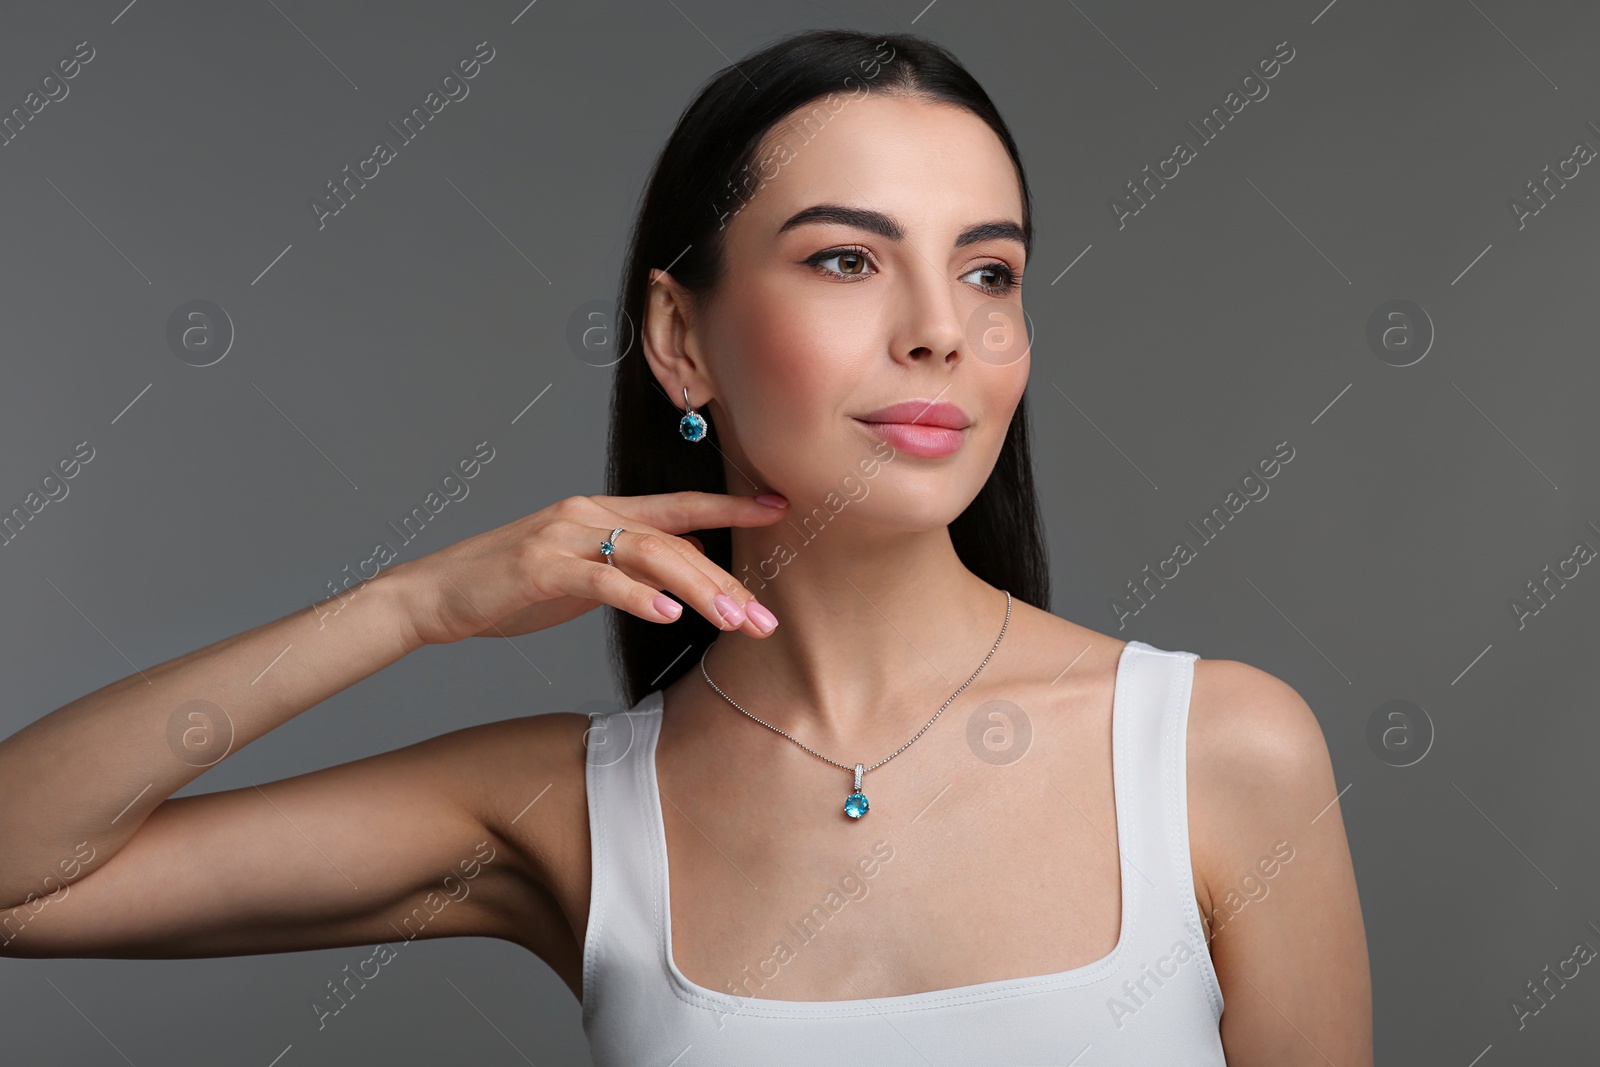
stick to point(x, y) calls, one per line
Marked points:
point(1153, 1000)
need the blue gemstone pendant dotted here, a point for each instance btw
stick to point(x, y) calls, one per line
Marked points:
point(855, 805)
point(692, 426)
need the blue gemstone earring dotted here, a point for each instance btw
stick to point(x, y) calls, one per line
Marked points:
point(693, 424)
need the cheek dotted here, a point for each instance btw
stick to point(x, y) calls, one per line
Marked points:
point(1003, 396)
point(786, 371)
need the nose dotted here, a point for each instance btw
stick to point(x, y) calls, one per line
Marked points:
point(929, 323)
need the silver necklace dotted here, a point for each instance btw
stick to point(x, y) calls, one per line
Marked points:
point(855, 805)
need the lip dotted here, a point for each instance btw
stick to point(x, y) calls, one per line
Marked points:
point(916, 439)
point(920, 413)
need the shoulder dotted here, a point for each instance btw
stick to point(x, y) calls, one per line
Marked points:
point(535, 760)
point(523, 779)
point(513, 753)
point(1257, 765)
point(1244, 721)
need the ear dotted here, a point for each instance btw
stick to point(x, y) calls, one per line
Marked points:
point(671, 344)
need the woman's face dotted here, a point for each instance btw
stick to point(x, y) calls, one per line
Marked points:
point(879, 265)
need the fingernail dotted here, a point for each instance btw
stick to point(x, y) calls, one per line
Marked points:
point(772, 500)
point(764, 619)
point(729, 609)
point(667, 606)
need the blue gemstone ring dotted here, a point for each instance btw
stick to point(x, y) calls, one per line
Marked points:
point(608, 547)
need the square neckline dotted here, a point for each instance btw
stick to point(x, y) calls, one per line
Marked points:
point(694, 993)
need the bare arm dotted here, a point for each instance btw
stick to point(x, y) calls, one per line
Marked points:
point(1284, 919)
point(98, 859)
point(76, 785)
point(103, 862)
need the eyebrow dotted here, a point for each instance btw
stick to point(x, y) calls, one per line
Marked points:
point(879, 223)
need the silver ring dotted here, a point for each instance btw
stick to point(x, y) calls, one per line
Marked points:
point(608, 547)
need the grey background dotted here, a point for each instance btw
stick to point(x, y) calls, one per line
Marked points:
point(1227, 316)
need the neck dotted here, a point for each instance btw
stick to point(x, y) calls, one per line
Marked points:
point(876, 629)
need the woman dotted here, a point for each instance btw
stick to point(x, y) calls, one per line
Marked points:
point(1098, 845)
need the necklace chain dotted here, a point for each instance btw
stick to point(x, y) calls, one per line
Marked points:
point(897, 751)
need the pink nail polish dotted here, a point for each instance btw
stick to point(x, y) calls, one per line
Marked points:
point(772, 500)
point(764, 619)
point(729, 609)
point(667, 606)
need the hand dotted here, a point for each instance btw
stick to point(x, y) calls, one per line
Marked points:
point(545, 568)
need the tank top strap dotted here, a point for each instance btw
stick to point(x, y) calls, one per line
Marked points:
point(1149, 751)
point(622, 941)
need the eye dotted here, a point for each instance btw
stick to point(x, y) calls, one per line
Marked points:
point(854, 262)
point(1003, 280)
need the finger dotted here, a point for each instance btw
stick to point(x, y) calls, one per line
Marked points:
point(610, 585)
point(693, 510)
point(667, 562)
point(696, 542)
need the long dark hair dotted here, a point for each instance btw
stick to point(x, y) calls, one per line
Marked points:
point(697, 182)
